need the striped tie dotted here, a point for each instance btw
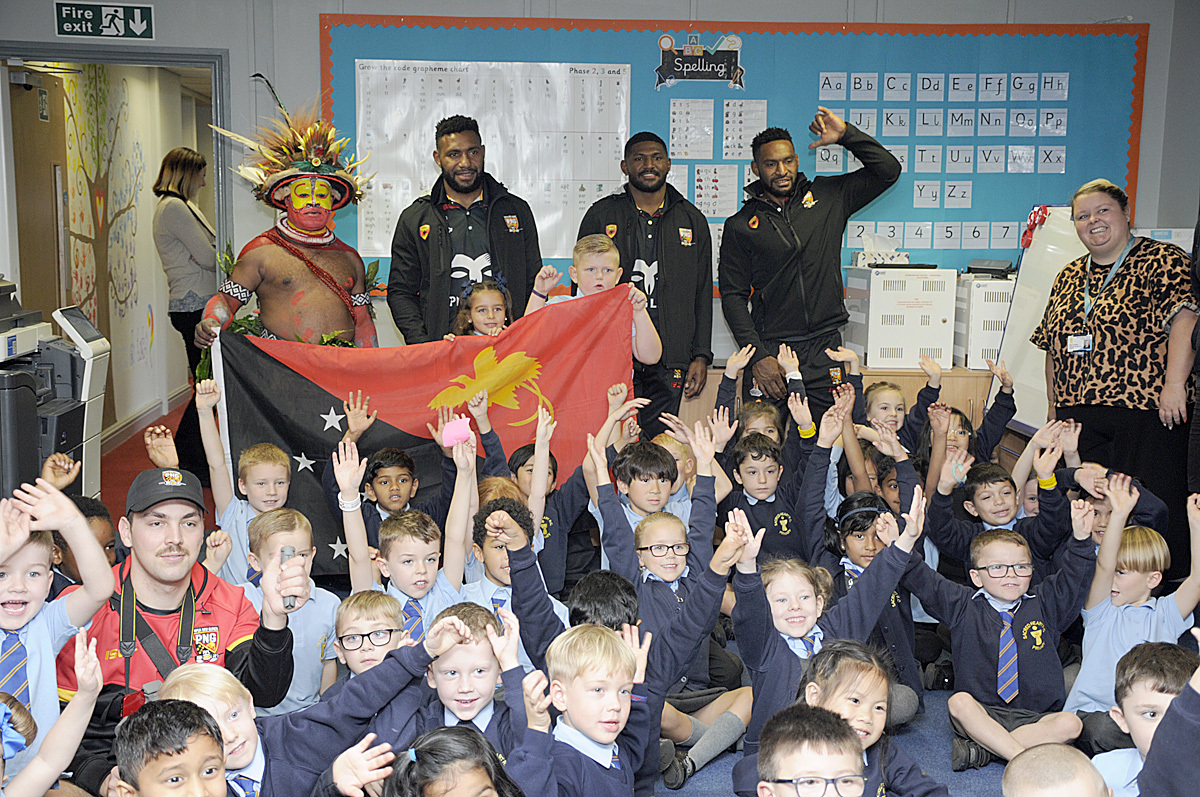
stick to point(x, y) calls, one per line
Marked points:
point(1006, 675)
point(412, 621)
point(616, 759)
point(249, 786)
point(14, 678)
point(498, 602)
point(253, 575)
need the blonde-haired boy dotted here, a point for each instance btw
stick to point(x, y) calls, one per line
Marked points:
point(1120, 610)
point(288, 754)
point(264, 476)
point(368, 625)
point(597, 746)
point(314, 666)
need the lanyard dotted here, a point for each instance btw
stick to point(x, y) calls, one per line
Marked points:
point(1112, 272)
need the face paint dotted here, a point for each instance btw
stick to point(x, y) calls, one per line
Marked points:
point(309, 204)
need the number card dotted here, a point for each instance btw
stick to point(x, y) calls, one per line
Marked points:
point(918, 234)
point(854, 233)
point(975, 234)
point(891, 230)
point(1004, 234)
point(947, 234)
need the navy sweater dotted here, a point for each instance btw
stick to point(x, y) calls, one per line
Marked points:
point(889, 770)
point(775, 671)
point(1038, 622)
point(1045, 533)
point(1172, 767)
point(894, 631)
point(668, 653)
point(438, 507)
point(505, 730)
point(299, 747)
point(658, 606)
point(544, 766)
point(563, 508)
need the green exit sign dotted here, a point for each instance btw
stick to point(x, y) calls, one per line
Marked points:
point(94, 20)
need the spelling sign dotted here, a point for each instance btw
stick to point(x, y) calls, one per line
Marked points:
point(694, 61)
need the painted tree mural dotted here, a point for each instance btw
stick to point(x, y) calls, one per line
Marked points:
point(105, 165)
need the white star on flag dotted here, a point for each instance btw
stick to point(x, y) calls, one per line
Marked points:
point(332, 420)
point(304, 463)
point(339, 549)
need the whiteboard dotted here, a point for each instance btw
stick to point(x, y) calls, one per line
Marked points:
point(555, 131)
point(1054, 245)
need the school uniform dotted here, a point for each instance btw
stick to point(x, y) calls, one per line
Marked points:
point(1038, 621)
point(313, 633)
point(494, 597)
point(1045, 532)
point(660, 603)
point(1172, 767)
point(563, 508)
point(442, 595)
point(1121, 769)
point(235, 521)
point(297, 748)
point(775, 666)
point(503, 723)
point(793, 457)
point(569, 764)
point(894, 631)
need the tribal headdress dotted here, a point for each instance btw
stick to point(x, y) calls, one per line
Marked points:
point(297, 147)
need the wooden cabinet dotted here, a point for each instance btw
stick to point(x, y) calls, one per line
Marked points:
point(962, 389)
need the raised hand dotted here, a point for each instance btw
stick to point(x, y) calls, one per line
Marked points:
point(348, 470)
point(617, 395)
point(478, 407)
point(827, 126)
point(444, 416)
point(630, 432)
point(722, 429)
point(914, 521)
point(886, 528)
point(358, 416)
point(1083, 518)
point(831, 424)
point(641, 649)
point(14, 529)
point(738, 361)
point(939, 419)
point(1044, 462)
point(798, 408)
point(160, 447)
point(888, 443)
point(46, 506)
point(932, 369)
point(88, 678)
point(1122, 494)
point(537, 701)
point(1048, 435)
point(729, 552)
point(1092, 480)
point(788, 359)
point(445, 634)
point(361, 765)
point(637, 298)
point(464, 455)
point(954, 470)
point(1068, 437)
point(847, 357)
point(739, 524)
point(502, 527)
point(217, 548)
point(546, 279)
point(1000, 371)
point(1193, 511)
point(60, 470)
point(208, 394)
point(505, 645)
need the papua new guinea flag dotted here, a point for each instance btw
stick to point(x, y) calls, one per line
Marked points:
point(564, 357)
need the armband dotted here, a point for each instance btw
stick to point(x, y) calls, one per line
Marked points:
point(349, 506)
point(540, 295)
point(231, 288)
point(1048, 484)
point(360, 299)
point(809, 432)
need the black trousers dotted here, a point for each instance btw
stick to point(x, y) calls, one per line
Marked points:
point(816, 369)
point(1135, 442)
point(187, 436)
point(664, 387)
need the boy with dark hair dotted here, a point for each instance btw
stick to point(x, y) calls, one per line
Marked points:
point(66, 571)
point(993, 498)
point(1149, 679)
point(804, 744)
point(1172, 767)
point(166, 745)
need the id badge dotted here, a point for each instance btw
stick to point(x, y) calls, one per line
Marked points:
point(1078, 344)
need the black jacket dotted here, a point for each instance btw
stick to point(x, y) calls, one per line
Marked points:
point(419, 280)
point(790, 257)
point(684, 254)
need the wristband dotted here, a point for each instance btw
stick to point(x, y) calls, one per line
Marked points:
point(540, 295)
point(350, 506)
point(809, 432)
point(1047, 484)
point(793, 375)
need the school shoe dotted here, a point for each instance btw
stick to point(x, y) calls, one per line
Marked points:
point(966, 754)
point(666, 754)
point(939, 675)
point(678, 771)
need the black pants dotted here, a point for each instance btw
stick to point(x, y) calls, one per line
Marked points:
point(187, 436)
point(664, 387)
point(816, 369)
point(1135, 442)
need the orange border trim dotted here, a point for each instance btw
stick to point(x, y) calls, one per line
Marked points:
point(1140, 31)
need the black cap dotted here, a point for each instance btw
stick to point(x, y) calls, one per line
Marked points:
point(163, 484)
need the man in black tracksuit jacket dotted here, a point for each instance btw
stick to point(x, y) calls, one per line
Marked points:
point(442, 245)
point(785, 245)
point(666, 249)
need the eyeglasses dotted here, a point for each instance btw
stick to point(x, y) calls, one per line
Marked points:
point(1000, 571)
point(378, 638)
point(811, 786)
point(679, 549)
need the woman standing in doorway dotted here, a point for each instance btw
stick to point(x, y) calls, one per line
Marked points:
point(186, 245)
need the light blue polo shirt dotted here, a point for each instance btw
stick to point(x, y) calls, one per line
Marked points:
point(1120, 769)
point(481, 593)
point(313, 633)
point(235, 521)
point(43, 637)
point(1109, 632)
point(681, 509)
point(442, 595)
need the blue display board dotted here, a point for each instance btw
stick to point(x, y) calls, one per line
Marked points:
point(989, 120)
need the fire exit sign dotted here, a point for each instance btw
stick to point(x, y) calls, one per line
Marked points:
point(94, 20)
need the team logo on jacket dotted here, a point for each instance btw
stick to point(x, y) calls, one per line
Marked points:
point(611, 230)
point(206, 641)
point(783, 522)
point(685, 236)
point(808, 200)
point(1037, 630)
point(754, 222)
point(835, 375)
point(513, 224)
point(424, 231)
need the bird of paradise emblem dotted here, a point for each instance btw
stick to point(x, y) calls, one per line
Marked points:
point(501, 379)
